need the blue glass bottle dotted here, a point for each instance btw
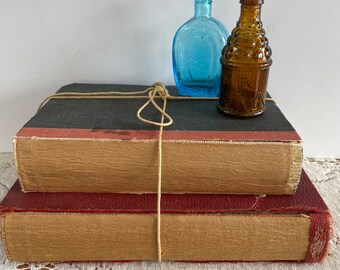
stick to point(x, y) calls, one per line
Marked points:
point(196, 53)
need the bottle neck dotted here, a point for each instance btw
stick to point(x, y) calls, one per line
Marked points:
point(203, 8)
point(250, 12)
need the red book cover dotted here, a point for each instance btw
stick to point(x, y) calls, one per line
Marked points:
point(306, 201)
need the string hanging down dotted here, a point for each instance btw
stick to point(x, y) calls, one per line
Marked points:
point(157, 91)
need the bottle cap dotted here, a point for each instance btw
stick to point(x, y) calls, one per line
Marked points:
point(252, 2)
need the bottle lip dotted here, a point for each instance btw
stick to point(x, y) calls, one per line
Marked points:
point(252, 2)
point(203, 1)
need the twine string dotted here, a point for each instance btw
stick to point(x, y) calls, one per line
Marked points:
point(157, 91)
point(271, 99)
point(159, 185)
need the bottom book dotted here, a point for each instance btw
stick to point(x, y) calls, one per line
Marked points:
point(122, 227)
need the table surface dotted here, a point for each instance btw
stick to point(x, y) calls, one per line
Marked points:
point(324, 172)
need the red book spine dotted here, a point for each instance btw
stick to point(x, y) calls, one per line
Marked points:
point(320, 234)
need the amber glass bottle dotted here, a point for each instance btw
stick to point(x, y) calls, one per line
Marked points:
point(246, 60)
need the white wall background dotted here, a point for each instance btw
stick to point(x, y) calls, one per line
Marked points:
point(47, 44)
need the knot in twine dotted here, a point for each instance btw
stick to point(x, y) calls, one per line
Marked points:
point(160, 90)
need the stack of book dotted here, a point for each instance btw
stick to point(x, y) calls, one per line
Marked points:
point(232, 189)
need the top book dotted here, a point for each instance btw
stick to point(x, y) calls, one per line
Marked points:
point(99, 145)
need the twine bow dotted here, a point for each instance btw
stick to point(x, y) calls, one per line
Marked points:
point(160, 90)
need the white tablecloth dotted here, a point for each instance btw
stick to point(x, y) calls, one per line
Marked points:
point(325, 174)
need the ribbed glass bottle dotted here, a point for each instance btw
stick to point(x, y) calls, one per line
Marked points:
point(246, 60)
point(196, 51)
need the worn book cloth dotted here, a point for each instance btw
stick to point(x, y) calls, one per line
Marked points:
point(195, 227)
point(99, 145)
